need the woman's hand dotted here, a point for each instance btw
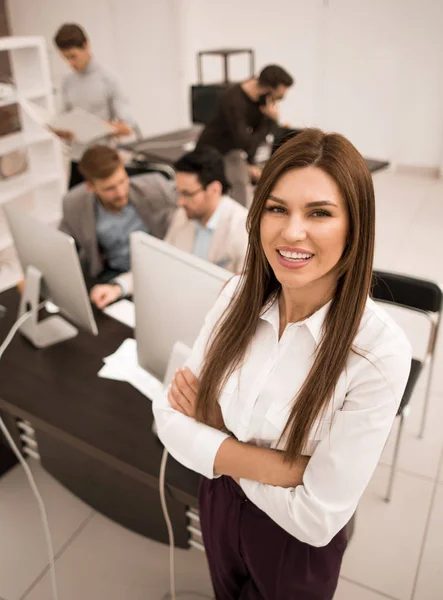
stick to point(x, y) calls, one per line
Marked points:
point(183, 392)
point(183, 395)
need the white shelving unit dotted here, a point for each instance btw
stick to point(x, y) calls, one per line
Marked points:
point(40, 190)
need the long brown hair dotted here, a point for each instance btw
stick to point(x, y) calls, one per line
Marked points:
point(227, 347)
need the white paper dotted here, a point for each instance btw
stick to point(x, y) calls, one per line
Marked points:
point(123, 366)
point(85, 126)
point(123, 311)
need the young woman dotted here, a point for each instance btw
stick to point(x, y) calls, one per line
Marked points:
point(293, 383)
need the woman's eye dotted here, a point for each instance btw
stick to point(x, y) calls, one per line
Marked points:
point(275, 209)
point(321, 213)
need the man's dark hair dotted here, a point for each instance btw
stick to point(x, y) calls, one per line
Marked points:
point(273, 76)
point(70, 36)
point(205, 162)
point(99, 162)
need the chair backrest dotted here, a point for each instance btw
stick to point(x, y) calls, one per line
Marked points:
point(141, 166)
point(404, 290)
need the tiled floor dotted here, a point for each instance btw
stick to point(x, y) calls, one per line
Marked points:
point(397, 550)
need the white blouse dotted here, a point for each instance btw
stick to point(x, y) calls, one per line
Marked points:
point(345, 444)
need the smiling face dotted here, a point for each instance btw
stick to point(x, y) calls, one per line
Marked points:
point(304, 229)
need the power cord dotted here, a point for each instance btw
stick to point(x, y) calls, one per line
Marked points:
point(25, 466)
point(172, 595)
point(162, 476)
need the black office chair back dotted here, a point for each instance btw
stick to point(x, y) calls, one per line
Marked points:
point(407, 291)
point(140, 166)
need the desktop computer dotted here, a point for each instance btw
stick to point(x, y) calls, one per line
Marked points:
point(52, 269)
point(173, 292)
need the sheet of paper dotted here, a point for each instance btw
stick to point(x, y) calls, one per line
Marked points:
point(123, 366)
point(123, 311)
point(128, 348)
point(85, 126)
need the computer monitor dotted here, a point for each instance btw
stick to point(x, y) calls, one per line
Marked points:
point(50, 262)
point(173, 292)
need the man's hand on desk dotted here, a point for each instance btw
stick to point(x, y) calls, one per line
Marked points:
point(103, 294)
point(121, 128)
point(183, 395)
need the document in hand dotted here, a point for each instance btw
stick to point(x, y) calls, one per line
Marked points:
point(86, 127)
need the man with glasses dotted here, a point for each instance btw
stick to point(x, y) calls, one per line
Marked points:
point(207, 223)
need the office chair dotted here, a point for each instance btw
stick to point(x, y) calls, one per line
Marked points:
point(140, 166)
point(423, 297)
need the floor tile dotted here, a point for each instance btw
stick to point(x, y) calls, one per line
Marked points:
point(109, 562)
point(419, 456)
point(384, 552)
point(23, 555)
point(430, 579)
point(347, 590)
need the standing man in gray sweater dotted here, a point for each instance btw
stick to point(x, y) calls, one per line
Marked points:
point(91, 87)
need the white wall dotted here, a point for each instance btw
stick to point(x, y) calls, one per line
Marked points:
point(383, 77)
point(371, 70)
point(137, 39)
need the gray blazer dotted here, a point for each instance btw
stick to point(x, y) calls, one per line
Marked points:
point(152, 195)
point(230, 239)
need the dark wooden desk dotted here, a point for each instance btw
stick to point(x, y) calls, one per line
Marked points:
point(169, 147)
point(166, 148)
point(94, 435)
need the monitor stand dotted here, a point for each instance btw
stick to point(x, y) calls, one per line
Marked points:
point(51, 330)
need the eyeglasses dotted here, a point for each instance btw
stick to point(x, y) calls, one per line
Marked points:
point(186, 194)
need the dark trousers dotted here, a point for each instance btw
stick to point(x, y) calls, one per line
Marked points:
point(252, 558)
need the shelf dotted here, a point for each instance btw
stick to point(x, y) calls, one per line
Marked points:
point(14, 187)
point(19, 140)
point(31, 94)
point(38, 191)
point(38, 138)
point(12, 99)
point(23, 184)
point(19, 42)
point(34, 93)
point(11, 142)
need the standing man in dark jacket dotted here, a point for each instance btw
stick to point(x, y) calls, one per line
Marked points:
point(247, 112)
